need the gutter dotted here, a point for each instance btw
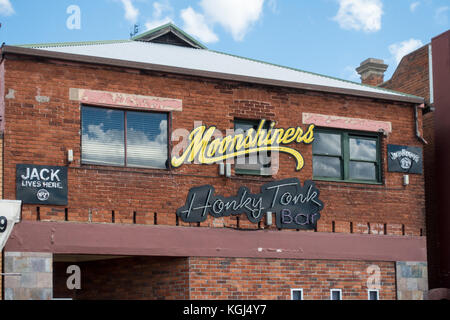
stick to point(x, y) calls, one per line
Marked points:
point(416, 120)
point(201, 73)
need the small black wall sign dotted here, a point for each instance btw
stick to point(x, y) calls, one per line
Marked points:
point(405, 159)
point(41, 184)
point(295, 206)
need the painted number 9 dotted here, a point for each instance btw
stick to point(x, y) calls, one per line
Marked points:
point(3, 224)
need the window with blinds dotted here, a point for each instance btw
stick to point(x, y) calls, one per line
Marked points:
point(124, 138)
point(255, 163)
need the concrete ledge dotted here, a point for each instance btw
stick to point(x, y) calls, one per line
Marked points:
point(120, 100)
point(328, 121)
point(135, 240)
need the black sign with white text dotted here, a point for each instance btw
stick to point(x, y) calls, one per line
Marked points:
point(41, 184)
point(405, 159)
point(295, 206)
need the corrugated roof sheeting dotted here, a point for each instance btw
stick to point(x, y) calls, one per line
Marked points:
point(205, 60)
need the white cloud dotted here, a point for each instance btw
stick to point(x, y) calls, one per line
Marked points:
point(131, 12)
point(152, 24)
point(414, 6)
point(195, 24)
point(273, 5)
point(360, 15)
point(400, 49)
point(350, 74)
point(441, 15)
point(236, 16)
point(160, 7)
point(6, 9)
point(162, 14)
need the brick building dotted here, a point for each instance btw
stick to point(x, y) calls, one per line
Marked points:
point(109, 147)
point(426, 72)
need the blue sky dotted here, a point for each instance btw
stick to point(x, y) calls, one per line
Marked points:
point(329, 37)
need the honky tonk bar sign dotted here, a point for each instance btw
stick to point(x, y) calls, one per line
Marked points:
point(208, 151)
point(295, 206)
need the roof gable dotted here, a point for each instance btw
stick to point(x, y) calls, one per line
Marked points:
point(169, 34)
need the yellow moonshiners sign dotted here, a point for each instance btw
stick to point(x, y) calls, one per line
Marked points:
point(252, 141)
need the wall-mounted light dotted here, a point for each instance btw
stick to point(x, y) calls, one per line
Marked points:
point(406, 180)
point(70, 156)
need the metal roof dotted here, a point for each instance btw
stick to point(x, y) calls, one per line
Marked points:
point(203, 62)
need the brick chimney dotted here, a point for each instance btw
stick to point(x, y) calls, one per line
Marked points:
point(372, 71)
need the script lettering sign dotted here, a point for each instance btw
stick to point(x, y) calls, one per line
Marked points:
point(295, 206)
point(208, 151)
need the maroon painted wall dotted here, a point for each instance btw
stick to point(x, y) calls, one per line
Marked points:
point(441, 77)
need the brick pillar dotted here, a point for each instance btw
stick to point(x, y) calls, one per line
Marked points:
point(30, 276)
point(372, 71)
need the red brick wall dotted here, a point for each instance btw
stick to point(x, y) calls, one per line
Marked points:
point(139, 278)
point(273, 279)
point(412, 75)
point(373, 80)
point(41, 133)
point(149, 278)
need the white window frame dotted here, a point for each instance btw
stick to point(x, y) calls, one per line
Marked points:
point(373, 290)
point(338, 290)
point(296, 289)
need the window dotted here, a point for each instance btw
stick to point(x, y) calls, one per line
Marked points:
point(256, 163)
point(296, 294)
point(373, 295)
point(335, 294)
point(124, 138)
point(346, 156)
